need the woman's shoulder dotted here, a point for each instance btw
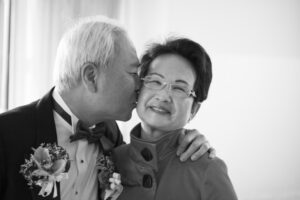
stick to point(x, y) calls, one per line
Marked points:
point(204, 168)
point(214, 177)
point(204, 163)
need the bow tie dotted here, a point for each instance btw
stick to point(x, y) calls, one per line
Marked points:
point(91, 135)
point(95, 135)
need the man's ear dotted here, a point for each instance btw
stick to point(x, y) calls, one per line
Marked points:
point(194, 110)
point(89, 75)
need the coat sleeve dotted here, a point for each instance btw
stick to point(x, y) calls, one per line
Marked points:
point(217, 183)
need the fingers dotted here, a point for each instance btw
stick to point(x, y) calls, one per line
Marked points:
point(193, 144)
point(189, 143)
point(201, 151)
point(196, 149)
point(186, 139)
point(182, 143)
point(212, 152)
point(188, 152)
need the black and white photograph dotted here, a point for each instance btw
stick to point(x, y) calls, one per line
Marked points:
point(149, 100)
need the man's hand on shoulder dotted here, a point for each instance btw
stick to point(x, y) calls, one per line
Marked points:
point(192, 144)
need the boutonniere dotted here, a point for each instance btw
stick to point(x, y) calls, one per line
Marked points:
point(47, 165)
point(109, 180)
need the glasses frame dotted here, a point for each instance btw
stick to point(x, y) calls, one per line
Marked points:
point(191, 93)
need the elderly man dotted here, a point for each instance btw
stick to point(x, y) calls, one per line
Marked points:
point(97, 82)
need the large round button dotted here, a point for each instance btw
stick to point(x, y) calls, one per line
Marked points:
point(147, 155)
point(147, 181)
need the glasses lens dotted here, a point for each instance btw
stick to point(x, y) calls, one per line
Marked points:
point(180, 90)
point(153, 83)
point(157, 83)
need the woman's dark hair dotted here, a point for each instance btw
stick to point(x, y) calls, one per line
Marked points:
point(192, 52)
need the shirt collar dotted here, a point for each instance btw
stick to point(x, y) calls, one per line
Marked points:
point(57, 97)
point(152, 152)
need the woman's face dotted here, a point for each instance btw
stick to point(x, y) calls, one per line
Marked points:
point(168, 108)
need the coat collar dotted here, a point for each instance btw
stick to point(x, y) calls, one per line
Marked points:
point(152, 152)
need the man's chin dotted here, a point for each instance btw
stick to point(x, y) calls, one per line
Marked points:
point(125, 118)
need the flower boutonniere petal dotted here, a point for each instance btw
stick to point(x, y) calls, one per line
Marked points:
point(47, 165)
point(115, 189)
point(109, 180)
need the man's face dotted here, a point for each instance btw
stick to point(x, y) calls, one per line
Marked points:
point(119, 83)
point(163, 109)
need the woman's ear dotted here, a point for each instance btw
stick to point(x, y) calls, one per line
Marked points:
point(89, 75)
point(194, 110)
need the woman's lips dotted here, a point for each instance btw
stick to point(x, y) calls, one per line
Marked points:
point(160, 109)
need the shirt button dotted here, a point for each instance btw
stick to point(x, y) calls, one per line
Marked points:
point(147, 155)
point(82, 161)
point(76, 193)
point(147, 181)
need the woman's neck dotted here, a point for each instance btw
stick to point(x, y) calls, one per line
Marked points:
point(150, 133)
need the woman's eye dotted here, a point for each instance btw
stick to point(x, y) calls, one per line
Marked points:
point(179, 89)
point(155, 82)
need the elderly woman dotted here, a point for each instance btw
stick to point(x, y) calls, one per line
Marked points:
point(176, 76)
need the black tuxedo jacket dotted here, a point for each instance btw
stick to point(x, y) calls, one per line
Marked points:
point(22, 129)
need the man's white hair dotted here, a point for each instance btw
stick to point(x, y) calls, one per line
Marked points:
point(92, 39)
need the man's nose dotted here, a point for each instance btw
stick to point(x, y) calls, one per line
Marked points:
point(138, 86)
point(138, 83)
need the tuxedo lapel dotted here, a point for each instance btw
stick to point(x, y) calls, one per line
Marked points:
point(45, 131)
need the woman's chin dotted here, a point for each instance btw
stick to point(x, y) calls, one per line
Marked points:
point(159, 125)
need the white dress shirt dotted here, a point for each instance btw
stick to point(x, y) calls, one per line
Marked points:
point(82, 182)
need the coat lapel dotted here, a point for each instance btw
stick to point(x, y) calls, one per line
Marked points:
point(45, 132)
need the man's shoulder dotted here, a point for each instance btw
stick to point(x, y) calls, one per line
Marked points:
point(20, 119)
point(26, 111)
point(17, 127)
point(18, 113)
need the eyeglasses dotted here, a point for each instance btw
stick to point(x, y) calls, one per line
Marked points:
point(179, 90)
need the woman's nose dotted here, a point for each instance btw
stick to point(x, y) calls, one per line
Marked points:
point(164, 94)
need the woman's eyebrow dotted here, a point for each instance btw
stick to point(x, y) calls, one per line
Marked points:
point(162, 76)
point(157, 74)
point(182, 81)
